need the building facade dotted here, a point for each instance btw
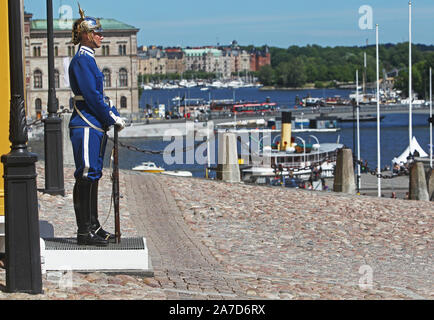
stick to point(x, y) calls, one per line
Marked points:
point(258, 59)
point(209, 60)
point(175, 60)
point(152, 60)
point(117, 59)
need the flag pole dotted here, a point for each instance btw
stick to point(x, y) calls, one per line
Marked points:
point(430, 114)
point(358, 131)
point(378, 116)
point(410, 84)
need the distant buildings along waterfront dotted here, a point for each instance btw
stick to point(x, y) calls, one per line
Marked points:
point(224, 61)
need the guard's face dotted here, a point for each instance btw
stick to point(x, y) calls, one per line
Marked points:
point(98, 37)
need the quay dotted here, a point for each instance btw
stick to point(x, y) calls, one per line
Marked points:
point(214, 240)
point(158, 127)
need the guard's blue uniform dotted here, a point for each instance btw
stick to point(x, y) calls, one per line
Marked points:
point(93, 118)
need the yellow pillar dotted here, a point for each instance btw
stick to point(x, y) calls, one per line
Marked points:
point(4, 93)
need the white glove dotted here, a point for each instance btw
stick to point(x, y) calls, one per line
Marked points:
point(120, 123)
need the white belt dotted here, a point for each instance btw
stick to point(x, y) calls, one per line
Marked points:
point(80, 98)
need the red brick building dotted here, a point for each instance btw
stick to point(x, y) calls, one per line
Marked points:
point(258, 59)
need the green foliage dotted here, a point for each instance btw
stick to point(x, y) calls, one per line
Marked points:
point(420, 77)
point(296, 66)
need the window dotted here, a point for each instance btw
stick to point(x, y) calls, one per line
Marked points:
point(56, 51)
point(71, 51)
point(38, 105)
point(37, 79)
point(123, 102)
point(122, 50)
point(107, 78)
point(56, 79)
point(36, 51)
point(105, 50)
point(123, 78)
point(38, 108)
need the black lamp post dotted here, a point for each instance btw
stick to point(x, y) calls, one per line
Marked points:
point(53, 142)
point(23, 260)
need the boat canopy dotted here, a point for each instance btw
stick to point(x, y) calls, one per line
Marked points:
point(414, 146)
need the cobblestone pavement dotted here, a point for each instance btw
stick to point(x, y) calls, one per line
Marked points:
point(213, 240)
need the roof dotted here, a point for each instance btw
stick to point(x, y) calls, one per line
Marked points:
point(66, 25)
point(201, 52)
point(414, 146)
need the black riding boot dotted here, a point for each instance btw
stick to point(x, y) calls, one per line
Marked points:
point(82, 206)
point(95, 225)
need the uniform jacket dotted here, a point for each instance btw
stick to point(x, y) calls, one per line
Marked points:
point(87, 81)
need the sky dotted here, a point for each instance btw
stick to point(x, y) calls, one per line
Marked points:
point(278, 23)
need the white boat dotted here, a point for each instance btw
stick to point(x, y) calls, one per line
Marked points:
point(178, 173)
point(217, 84)
point(236, 84)
point(150, 167)
point(322, 156)
point(187, 84)
point(310, 101)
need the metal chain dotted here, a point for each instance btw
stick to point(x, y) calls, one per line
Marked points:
point(380, 175)
point(39, 121)
point(159, 152)
point(34, 123)
point(373, 172)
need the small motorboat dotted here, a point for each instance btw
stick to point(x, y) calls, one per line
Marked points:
point(149, 167)
point(178, 173)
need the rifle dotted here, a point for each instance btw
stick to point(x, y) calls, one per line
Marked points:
point(116, 184)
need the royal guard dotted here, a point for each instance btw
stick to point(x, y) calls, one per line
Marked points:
point(91, 119)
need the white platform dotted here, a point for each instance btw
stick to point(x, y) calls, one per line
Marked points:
point(115, 258)
point(2, 234)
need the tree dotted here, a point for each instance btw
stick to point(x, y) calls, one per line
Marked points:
point(266, 76)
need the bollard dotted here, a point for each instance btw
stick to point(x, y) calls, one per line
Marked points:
point(344, 172)
point(54, 177)
point(68, 155)
point(228, 168)
point(418, 187)
point(430, 183)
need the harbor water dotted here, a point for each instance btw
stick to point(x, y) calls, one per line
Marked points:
point(394, 129)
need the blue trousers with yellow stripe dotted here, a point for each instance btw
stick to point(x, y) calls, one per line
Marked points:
point(88, 146)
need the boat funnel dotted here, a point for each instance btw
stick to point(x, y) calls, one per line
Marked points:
point(286, 131)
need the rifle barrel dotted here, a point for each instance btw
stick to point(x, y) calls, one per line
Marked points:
point(116, 184)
